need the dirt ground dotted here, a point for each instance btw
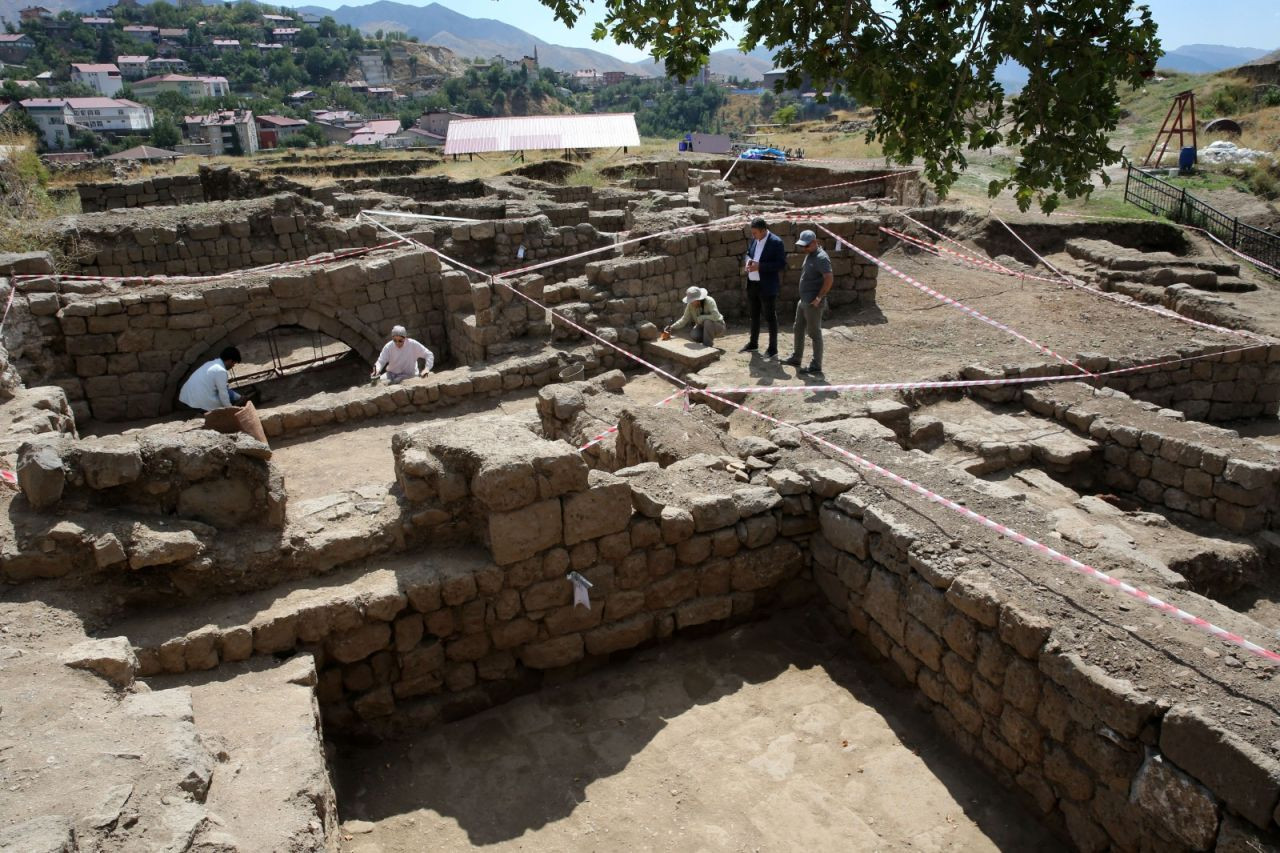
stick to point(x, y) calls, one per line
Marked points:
point(360, 454)
point(762, 738)
point(909, 335)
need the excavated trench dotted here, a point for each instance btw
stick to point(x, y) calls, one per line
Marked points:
point(781, 647)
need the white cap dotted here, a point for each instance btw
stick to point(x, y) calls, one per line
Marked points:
point(399, 332)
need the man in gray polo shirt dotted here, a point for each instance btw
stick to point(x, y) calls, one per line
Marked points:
point(816, 279)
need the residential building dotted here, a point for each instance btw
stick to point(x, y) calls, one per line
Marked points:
point(302, 96)
point(613, 78)
point(53, 118)
point(276, 20)
point(59, 118)
point(226, 44)
point(587, 78)
point(268, 46)
point(375, 133)
point(334, 133)
point(103, 79)
point(437, 121)
point(285, 35)
point(424, 138)
point(142, 32)
point(225, 131)
point(273, 130)
point(16, 47)
point(531, 62)
point(166, 65)
point(98, 23)
point(178, 34)
point(132, 67)
point(33, 14)
point(381, 93)
point(190, 87)
point(310, 20)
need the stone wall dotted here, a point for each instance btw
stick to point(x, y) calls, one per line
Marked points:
point(222, 480)
point(1226, 387)
point(428, 394)
point(122, 352)
point(1112, 763)
point(207, 238)
point(459, 631)
point(156, 190)
point(1188, 467)
point(649, 288)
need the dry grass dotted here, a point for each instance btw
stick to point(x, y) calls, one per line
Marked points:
point(25, 201)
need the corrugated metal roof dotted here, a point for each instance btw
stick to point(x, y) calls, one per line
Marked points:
point(531, 133)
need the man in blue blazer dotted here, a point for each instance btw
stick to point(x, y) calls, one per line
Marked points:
point(766, 259)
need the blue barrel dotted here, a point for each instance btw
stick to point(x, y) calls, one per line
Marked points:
point(1186, 159)
point(684, 146)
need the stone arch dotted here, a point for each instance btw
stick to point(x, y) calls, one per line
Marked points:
point(364, 340)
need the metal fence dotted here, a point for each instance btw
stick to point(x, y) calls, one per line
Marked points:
point(1164, 199)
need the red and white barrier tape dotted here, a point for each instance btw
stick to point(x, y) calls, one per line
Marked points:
point(965, 251)
point(1089, 571)
point(941, 297)
point(1009, 533)
point(883, 177)
point(611, 430)
point(1257, 263)
point(8, 303)
point(950, 254)
point(969, 383)
point(8, 476)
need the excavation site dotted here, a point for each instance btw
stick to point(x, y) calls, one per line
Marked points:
point(996, 569)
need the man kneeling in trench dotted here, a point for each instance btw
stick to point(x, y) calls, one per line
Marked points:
point(702, 315)
point(206, 388)
point(400, 358)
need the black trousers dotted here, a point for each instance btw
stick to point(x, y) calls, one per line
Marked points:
point(766, 303)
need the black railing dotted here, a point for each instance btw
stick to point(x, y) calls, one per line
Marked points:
point(1164, 199)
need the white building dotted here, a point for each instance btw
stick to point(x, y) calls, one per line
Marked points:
point(59, 118)
point(132, 67)
point(103, 79)
point(225, 131)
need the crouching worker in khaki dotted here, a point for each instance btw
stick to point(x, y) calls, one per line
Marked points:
point(701, 316)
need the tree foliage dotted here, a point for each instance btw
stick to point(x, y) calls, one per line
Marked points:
point(929, 66)
point(663, 107)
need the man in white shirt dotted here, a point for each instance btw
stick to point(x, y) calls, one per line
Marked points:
point(206, 388)
point(400, 358)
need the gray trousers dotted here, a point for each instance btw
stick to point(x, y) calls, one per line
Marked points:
point(706, 331)
point(809, 320)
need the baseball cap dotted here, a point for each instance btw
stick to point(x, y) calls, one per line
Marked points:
point(806, 237)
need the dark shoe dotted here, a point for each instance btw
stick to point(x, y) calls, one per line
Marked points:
point(749, 348)
point(771, 353)
point(793, 360)
point(812, 368)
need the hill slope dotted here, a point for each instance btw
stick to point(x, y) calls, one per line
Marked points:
point(474, 37)
point(1204, 58)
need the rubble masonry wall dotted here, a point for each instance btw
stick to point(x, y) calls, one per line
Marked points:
point(122, 351)
point(1110, 765)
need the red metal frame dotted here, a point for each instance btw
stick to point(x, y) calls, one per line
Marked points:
point(1183, 103)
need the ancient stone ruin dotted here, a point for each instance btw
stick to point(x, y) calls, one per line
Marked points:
point(1025, 532)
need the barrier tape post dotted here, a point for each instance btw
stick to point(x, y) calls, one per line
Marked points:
point(13, 288)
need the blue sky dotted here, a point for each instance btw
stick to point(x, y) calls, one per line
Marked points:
point(1239, 23)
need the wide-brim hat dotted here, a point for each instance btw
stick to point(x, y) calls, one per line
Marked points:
point(694, 294)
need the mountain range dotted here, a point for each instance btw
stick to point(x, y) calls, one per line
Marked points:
point(1204, 58)
point(485, 37)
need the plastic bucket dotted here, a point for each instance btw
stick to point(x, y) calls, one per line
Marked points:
point(1186, 158)
point(572, 373)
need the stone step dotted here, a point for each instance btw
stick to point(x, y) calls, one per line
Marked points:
point(279, 618)
point(271, 788)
